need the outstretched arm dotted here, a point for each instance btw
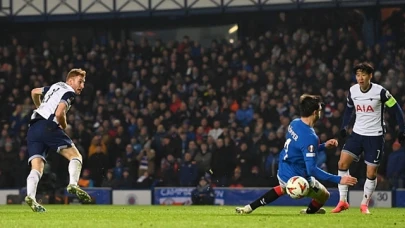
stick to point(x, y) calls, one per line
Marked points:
point(310, 151)
point(331, 143)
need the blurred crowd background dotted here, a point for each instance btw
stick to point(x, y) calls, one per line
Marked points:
point(162, 112)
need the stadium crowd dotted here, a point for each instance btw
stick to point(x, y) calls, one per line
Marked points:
point(156, 113)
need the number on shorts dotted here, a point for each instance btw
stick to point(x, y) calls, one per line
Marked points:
point(286, 144)
point(378, 155)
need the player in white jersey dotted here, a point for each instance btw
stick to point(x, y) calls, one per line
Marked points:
point(368, 100)
point(45, 133)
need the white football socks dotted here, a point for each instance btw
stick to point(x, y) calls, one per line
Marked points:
point(369, 187)
point(343, 189)
point(32, 183)
point(75, 167)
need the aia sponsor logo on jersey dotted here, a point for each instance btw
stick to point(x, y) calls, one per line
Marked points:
point(364, 108)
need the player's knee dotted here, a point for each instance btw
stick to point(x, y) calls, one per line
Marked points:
point(37, 164)
point(323, 197)
point(70, 153)
point(79, 157)
point(343, 165)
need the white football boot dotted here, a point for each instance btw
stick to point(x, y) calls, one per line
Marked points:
point(244, 210)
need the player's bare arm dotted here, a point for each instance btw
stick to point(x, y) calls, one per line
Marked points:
point(61, 114)
point(36, 96)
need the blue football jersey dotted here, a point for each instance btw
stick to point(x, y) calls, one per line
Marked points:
point(299, 155)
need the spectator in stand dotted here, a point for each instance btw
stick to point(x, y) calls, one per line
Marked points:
point(109, 180)
point(396, 166)
point(204, 194)
point(188, 172)
point(85, 181)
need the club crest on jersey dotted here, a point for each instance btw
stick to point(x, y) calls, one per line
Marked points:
point(311, 148)
point(364, 108)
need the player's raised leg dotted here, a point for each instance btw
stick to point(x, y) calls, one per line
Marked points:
point(319, 195)
point(267, 198)
point(37, 167)
point(75, 167)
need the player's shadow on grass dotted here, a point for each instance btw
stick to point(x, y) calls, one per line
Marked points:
point(262, 214)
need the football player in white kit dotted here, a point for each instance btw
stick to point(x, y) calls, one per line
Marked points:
point(368, 100)
point(46, 133)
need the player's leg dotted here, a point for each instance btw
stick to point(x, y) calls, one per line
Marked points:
point(75, 163)
point(267, 198)
point(64, 146)
point(37, 160)
point(373, 152)
point(345, 160)
point(319, 195)
point(74, 168)
point(350, 152)
point(369, 186)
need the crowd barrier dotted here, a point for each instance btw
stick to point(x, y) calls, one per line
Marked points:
point(224, 196)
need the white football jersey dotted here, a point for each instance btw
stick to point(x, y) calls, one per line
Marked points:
point(369, 109)
point(52, 96)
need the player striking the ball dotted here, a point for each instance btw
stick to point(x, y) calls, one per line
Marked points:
point(45, 133)
point(368, 100)
point(298, 158)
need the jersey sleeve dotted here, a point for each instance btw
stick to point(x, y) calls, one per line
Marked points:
point(392, 104)
point(387, 98)
point(68, 98)
point(309, 148)
point(322, 146)
point(348, 111)
point(349, 100)
point(45, 90)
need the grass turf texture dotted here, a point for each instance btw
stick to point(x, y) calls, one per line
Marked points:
point(192, 216)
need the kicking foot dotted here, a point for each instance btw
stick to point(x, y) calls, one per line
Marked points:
point(320, 211)
point(244, 210)
point(82, 195)
point(342, 205)
point(364, 209)
point(36, 207)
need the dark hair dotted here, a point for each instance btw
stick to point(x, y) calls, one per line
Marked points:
point(363, 67)
point(309, 104)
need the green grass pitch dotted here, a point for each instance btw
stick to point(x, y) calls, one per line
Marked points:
point(191, 216)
